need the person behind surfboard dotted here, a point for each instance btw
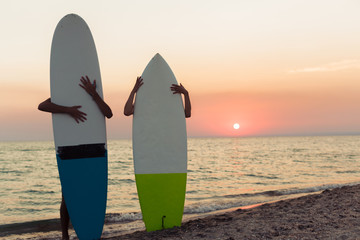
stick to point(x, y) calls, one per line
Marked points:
point(79, 116)
point(177, 89)
point(73, 111)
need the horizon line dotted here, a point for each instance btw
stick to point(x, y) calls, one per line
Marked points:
point(217, 136)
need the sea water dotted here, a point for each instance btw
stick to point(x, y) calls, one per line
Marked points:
point(222, 173)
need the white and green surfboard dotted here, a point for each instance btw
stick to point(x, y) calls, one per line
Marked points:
point(160, 147)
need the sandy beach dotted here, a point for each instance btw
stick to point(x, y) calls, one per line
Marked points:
point(332, 214)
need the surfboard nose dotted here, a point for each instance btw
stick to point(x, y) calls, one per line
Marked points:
point(158, 57)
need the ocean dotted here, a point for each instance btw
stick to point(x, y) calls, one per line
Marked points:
point(223, 173)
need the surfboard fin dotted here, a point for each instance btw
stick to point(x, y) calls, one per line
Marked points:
point(162, 222)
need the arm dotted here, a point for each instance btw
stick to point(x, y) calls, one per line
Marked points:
point(181, 90)
point(129, 105)
point(90, 88)
point(187, 105)
point(74, 112)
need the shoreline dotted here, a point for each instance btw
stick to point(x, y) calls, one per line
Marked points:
point(327, 214)
point(331, 214)
point(52, 225)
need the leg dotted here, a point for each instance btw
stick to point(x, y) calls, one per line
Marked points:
point(64, 217)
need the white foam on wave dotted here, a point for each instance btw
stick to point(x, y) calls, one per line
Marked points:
point(314, 189)
point(123, 217)
point(210, 207)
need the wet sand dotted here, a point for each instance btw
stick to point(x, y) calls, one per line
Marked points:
point(332, 214)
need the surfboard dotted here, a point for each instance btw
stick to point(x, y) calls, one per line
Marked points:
point(160, 147)
point(81, 150)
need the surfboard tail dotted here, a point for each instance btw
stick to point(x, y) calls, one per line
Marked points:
point(162, 198)
point(84, 186)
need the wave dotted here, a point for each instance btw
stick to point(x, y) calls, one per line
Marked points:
point(123, 217)
point(292, 191)
point(38, 192)
point(247, 199)
point(229, 201)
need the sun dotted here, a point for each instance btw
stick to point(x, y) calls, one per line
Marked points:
point(236, 126)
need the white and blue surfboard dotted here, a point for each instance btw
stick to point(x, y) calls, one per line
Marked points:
point(81, 149)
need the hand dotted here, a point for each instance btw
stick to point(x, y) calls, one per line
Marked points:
point(89, 87)
point(138, 84)
point(75, 113)
point(181, 90)
point(178, 89)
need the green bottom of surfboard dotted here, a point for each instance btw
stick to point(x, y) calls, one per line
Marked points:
point(162, 198)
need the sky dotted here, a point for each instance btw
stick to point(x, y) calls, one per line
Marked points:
point(275, 67)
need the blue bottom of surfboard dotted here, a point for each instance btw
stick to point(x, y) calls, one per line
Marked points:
point(84, 187)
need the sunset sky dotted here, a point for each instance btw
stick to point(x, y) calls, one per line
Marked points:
point(274, 67)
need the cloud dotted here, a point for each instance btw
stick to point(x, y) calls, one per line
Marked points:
point(331, 67)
